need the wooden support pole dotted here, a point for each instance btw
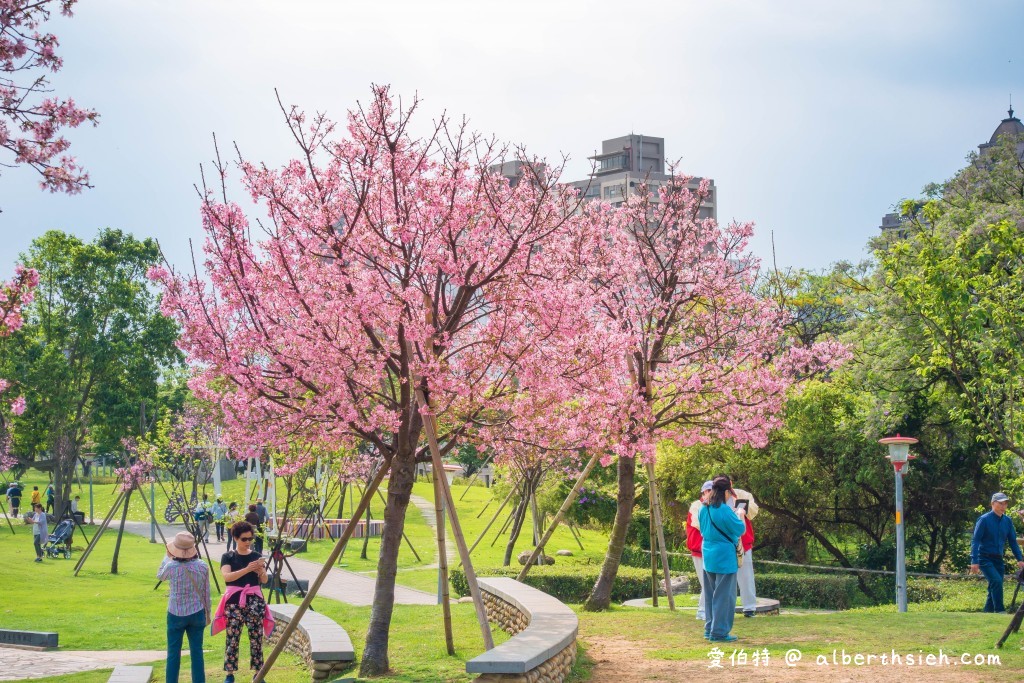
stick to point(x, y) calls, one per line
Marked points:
point(569, 500)
point(442, 567)
point(654, 547)
point(576, 534)
point(511, 492)
point(475, 475)
point(430, 426)
point(99, 532)
point(653, 489)
point(282, 642)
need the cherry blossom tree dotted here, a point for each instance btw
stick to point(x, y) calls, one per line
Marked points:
point(706, 357)
point(387, 264)
point(14, 295)
point(31, 121)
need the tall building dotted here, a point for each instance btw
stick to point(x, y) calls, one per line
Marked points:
point(894, 223)
point(626, 162)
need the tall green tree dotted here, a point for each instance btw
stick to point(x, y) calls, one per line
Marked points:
point(959, 278)
point(91, 351)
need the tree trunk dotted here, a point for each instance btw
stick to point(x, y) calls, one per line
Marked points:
point(341, 502)
point(375, 655)
point(601, 596)
point(120, 532)
point(517, 524)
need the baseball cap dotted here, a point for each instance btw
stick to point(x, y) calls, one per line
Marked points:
point(708, 485)
point(999, 497)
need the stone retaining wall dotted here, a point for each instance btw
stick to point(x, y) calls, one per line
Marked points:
point(512, 621)
point(298, 645)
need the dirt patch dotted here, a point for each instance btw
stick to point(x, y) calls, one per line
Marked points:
point(619, 660)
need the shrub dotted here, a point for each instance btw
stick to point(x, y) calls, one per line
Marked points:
point(570, 584)
point(638, 557)
point(816, 591)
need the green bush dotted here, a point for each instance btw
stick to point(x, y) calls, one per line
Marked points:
point(638, 557)
point(571, 584)
point(815, 591)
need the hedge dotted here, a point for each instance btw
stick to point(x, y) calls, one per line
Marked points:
point(814, 591)
point(571, 584)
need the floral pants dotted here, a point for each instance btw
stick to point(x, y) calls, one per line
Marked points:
point(252, 617)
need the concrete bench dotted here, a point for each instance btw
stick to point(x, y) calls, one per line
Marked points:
point(131, 674)
point(325, 646)
point(542, 648)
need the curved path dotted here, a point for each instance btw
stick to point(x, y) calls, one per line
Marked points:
point(341, 585)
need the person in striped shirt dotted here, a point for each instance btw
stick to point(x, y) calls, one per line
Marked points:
point(188, 607)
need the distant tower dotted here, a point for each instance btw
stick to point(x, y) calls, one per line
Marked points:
point(1011, 125)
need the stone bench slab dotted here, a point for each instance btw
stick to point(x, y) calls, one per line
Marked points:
point(552, 627)
point(10, 636)
point(328, 642)
point(131, 674)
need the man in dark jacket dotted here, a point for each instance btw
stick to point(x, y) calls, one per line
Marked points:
point(992, 533)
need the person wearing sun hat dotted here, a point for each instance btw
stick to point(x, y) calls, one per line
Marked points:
point(188, 606)
point(992, 533)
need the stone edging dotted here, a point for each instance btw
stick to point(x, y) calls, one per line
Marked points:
point(543, 644)
point(322, 644)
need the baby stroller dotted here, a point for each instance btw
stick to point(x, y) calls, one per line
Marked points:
point(60, 540)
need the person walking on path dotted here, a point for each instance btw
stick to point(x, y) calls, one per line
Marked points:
point(721, 527)
point(203, 514)
point(261, 512)
point(231, 517)
point(992, 533)
point(40, 529)
point(242, 604)
point(745, 574)
point(694, 541)
point(219, 510)
point(14, 492)
point(50, 495)
point(188, 607)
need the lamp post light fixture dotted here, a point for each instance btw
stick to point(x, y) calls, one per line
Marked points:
point(899, 455)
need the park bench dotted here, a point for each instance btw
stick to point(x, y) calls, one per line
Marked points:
point(321, 643)
point(131, 674)
point(542, 648)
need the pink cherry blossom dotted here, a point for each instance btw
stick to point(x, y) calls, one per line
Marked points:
point(31, 123)
point(18, 405)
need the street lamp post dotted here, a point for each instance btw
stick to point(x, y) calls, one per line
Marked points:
point(899, 454)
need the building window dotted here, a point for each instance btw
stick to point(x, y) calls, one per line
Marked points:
point(612, 163)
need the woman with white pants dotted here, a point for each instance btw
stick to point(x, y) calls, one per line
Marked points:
point(745, 575)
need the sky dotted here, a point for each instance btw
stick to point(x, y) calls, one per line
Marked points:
point(814, 118)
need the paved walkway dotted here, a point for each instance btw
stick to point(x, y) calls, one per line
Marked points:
point(19, 665)
point(426, 509)
point(341, 585)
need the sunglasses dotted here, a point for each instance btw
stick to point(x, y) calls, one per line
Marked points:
point(244, 539)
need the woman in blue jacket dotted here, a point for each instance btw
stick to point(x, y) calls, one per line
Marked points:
point(721, 527)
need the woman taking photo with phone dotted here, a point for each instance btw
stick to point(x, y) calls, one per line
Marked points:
point(244, 571)
point(721, 528)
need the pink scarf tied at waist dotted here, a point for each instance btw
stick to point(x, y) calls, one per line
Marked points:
point(220, 619)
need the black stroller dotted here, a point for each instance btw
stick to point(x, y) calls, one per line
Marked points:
point(59, 542)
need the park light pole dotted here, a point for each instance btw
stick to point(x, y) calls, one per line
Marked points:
point(899, 454)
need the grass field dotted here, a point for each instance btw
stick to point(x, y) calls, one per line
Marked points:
point(101, 611)
point(414, 573)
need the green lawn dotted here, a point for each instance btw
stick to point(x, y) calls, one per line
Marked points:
point(97, 610)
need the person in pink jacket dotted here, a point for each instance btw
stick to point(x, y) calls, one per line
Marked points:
point(242, 604)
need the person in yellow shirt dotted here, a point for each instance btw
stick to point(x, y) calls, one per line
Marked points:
point(37, 497)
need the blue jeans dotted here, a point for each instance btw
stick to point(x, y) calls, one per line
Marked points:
point(993, 571)
point(720, 603)
point(193, 625)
